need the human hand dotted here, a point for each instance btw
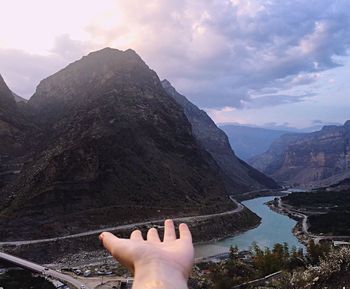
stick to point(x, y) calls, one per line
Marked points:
point(155, 264)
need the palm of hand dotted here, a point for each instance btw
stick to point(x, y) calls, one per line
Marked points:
point(136, 252)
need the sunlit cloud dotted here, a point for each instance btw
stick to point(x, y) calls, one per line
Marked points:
point(237, 54)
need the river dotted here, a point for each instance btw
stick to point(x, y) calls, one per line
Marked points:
point(274, 228)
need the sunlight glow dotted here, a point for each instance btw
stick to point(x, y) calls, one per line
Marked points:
point(37, 23)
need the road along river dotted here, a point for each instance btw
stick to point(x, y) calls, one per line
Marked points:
point(274, 228)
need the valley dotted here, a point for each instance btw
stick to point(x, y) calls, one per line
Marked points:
point(104, 145)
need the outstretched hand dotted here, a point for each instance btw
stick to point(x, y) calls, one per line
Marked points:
point(155, 263)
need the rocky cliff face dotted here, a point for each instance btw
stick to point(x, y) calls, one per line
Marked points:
point(239, 176)
point(110, 147)
point(312, 158)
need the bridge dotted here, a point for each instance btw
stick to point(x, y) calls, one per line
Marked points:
point(39, 269)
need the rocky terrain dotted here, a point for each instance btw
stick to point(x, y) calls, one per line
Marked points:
point(101, 143)
point(239, 175)
point(318, 158)
point(15, 135)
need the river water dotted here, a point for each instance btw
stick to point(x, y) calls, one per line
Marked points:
point(274, 228)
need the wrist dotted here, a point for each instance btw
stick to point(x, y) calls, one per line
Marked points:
point(159, 276)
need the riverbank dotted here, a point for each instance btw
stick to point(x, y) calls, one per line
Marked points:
point(274, 228)
point(86, 254)
point(301, 234)
point(301, 229)
point(59, 250)
point(259, 194)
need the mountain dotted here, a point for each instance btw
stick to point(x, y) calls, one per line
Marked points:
point(111, 146)
point(318, 158)
point(250, 141)
point(7, 100)
point(19, 99)
point(14, 135)
point(239, 176)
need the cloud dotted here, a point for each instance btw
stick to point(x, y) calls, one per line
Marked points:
point(274, 100)
point(221, 53)
point(23, 71)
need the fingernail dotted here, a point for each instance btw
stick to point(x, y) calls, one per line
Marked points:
point(101, 237)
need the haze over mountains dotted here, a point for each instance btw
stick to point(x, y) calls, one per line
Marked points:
point(248, 141)
point(100, 143)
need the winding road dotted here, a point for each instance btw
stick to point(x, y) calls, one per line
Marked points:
point(304, 225)
point(238, 209)
point(78, 283)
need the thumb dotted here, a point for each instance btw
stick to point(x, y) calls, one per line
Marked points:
point(118, 248)
point(112, 243)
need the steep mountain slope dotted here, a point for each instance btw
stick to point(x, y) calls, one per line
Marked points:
point(7, 100)
point(19, 99)
point(114, 148)
point(14, 132)
point(249, 142)
point(271, 160)
point(312, 158)
point(239, 176)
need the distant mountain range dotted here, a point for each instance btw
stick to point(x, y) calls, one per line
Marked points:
point(316, 159)
point(102, 143)
point(250, 141)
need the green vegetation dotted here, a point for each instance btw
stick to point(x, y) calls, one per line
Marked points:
point(334, 209)
point(332, 272)
point(231, 272)
point(317, 199)
point(242, 267)
point(280, 257)
point(335, 223)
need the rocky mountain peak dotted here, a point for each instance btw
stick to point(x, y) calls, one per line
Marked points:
point(109, 140)
point(94, 75)
point(347, 125)
point(167, 85)
point(103, 76)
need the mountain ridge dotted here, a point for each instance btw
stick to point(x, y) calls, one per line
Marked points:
point(317, 158)
point(239, 175)
point(108, 143)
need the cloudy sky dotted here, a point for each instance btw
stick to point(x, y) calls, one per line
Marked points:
point(248, 61)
